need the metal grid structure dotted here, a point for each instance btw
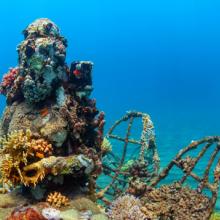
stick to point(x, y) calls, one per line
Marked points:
point(187, 164)
point(122, 180)
point(145, 159)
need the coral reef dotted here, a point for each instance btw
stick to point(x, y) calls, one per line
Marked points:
point(15, 202)
point(51, 131)
point(174, 201)
point(178, 200)
point(50, 101)
point(52, 148)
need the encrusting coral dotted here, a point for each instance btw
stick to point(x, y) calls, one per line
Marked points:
point(56, 199)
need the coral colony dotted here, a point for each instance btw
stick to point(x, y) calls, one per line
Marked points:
point(52, 148)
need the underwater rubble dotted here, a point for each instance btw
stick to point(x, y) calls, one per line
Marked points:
point(53, 152)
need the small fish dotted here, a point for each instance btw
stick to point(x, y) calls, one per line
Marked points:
point(44, 112)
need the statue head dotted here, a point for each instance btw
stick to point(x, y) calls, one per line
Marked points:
point(42, 57)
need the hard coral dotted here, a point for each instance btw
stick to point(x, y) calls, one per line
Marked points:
point(20, 149)
point(174, 201)
point(57, 200)
point(8, 80)
point(126, 207)
point(40, 147)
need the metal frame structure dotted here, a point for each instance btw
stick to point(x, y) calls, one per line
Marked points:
point(146, 146)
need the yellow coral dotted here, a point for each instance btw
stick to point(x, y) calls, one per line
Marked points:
point(18, 150)
point(10, 171)
point(56, 199)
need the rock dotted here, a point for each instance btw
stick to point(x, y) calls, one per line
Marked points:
point(51, 214)
point(10, 201)
point(70, 214)
point(83, 203)
point(47, 123)
point(38, 192)
point(99, 217)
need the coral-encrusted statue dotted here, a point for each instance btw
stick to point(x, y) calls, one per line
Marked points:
point(51, 130)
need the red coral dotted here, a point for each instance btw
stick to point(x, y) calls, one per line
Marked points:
point(8, 80)
point(26, 213)
point(101, 123)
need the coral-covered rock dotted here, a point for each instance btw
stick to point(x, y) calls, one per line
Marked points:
point(51, 130)
point(42, 60)
point(45, 122)
point(27, 213)
point(9, 201)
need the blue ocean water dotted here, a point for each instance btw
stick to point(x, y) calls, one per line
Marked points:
point(159, 57)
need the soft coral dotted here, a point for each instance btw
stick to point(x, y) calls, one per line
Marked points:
point(8, 80)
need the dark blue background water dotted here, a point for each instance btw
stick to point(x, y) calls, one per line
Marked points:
point(160, 57)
